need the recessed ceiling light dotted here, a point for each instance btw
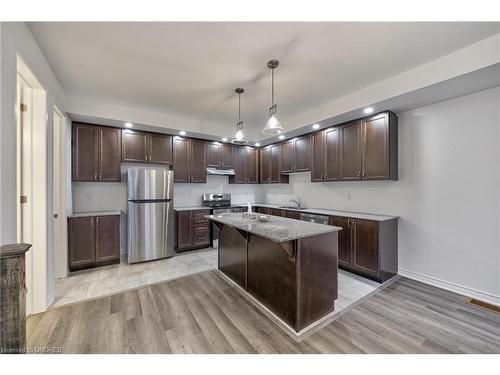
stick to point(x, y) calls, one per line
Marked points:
point(315, 126)
point(257, 144)
point(368, 110)
point(224, 139)
point(128, 124)
point(282, 136)
point(182, 132)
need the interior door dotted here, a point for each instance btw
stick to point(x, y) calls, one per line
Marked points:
point(318, 156)
point(351, 152)
point(85, 153)
point(110, 154)
point(302, 154)
point(332, 154)
point(376, 148)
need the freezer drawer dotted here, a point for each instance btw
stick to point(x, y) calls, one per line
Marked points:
point(150, 231)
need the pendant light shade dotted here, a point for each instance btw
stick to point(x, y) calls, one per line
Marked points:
point(273, 126)
point(239, 137)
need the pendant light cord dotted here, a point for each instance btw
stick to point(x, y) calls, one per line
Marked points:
point(239, 108)
point(272, 87)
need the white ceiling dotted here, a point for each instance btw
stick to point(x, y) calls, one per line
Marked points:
point(192, 69)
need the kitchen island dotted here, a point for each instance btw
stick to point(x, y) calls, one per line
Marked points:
point(289, 266)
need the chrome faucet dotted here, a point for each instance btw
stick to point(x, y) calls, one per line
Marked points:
point(297, 201)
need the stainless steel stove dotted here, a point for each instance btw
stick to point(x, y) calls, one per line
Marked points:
point(220, 203)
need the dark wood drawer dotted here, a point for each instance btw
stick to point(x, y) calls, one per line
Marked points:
point(201, 237)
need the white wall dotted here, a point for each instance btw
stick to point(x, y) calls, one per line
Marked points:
point(447, 195)
point(16, 39)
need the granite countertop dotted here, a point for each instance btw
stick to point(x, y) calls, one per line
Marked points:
point(96, 213)
point(277, 229)
point(187, 208)
point(356, 215)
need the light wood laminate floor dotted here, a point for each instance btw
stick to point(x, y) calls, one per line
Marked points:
point(203, 313)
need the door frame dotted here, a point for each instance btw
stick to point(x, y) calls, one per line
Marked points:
point(36, 257)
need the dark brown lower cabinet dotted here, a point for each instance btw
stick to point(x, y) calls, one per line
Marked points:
point(193, 230)
point(368, 247)
point(93, 241)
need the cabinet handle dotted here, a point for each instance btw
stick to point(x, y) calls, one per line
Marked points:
point(359, 174)
point(100, 176)
point(95, 176)
point(348, 223)
point(364, 174)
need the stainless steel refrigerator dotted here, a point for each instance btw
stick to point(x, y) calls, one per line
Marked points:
point(150, 219)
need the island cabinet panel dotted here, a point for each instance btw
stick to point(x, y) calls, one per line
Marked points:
point(350, 167)
point(368, 248)
point(246, 166)
point(96, 153)
point(233, 254)
point(93, 241)
point(193, 230)
point(271, 277)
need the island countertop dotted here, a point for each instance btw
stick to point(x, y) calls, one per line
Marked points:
point(277, 229)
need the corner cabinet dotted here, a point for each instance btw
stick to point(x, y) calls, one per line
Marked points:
point(142, 147)
point(189, 158)
point(360, 150)
point(93, 241)
point(246, 162)
point(368, 247)
point(96, 153)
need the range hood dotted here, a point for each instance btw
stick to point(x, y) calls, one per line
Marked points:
point(220, 172)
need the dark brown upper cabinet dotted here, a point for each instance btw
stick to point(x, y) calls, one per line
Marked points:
point(220, 155)
point(350, 150)
point(96, 153)
point(380, 147)
point(142, 147)
point(246, 163)
point(325, 159)
point(270, 165)
point(189, 158)
point(296, 155)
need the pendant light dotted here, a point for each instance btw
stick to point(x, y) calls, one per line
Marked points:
point(273, 126)
point(239, 136)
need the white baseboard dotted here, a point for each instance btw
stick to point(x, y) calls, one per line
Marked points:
point(468, 292)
